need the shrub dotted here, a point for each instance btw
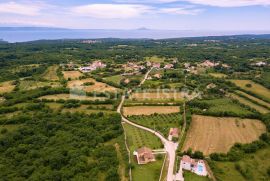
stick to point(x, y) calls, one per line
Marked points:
point(3, 131)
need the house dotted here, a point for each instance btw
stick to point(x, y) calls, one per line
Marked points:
point(156, 65)
point(144, 155)
point(208, 63)
point(260, 64)
point(95, 65)
point(173, 133)
point(98, 64)
point(196, 166)
point(211, 86)
point(168, 66)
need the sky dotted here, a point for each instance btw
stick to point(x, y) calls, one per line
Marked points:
point(217, 15)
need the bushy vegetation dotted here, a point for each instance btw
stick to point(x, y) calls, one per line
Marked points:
point(50, 146)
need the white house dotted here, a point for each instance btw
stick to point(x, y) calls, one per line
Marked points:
point(198, 167)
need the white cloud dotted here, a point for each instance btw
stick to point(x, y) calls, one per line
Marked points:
point(181, 11)
point(217, 3)
point(21, 8)
point(112, 11)
point(229, 3)
point(125, 11)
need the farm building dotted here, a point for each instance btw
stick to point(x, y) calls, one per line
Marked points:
point(196, 166)
point(168, 66)
point(144, 155)
point(156, 65)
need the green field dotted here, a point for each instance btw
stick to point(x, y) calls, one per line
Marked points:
point(189, 176)
point(244, 101)
point(149, 172)
point(31, 84)
point(137, 138)
point(255, 88)
point(254, 167)
point(255, 99)
point(155, 59)
point(218, 75)
point(51, 73)
point(115, 79)
point(224, 105)
point(160, 122)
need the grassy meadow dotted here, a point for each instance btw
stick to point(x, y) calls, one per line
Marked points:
point(160, 122)
point(253, 87)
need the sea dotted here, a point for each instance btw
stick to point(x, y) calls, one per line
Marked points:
point(25, 35)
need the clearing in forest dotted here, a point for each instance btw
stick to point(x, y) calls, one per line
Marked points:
point(253, 87)
point(148, 110)
point(6, 87)
point(218, 134)
point(90, 85)
point(72, 75)
point(51, 73)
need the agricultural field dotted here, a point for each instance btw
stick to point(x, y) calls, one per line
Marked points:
point(89, 109)
point(255, 167)
point(94, 87)
point(155, 59)
point(218, 75)
point(31, 84)
point(54, 106)
point(218, 134)
point(160, 122)
point(51, 73)
point(6, 87)
point(222, 106)
point(115, 79)
point(244, 101)
point(72, 75)
point(137, 138)
point(259, 101)
point(148, 110)
point(157, 95)
point(71, 96)
point(253, 87)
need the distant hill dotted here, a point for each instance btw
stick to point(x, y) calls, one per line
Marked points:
point(24, 34)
